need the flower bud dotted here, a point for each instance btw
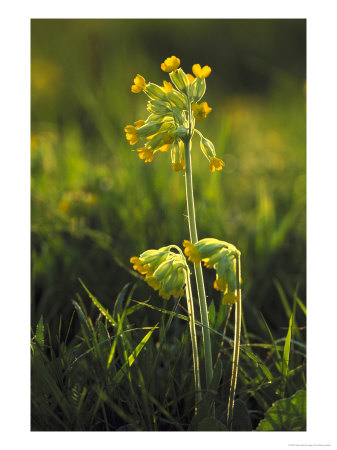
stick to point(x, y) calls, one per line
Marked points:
point(180, 80)
point(153, 258)
point(149, 128)
point(155, 92)
point(197, 89)
point(180, 132)
point(177, 99)
point(207, 147)
point(158, 107)
point(178, 156)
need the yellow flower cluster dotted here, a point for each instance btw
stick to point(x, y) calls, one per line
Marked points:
point(164, 270)
point(218, 255)
point(170, 122)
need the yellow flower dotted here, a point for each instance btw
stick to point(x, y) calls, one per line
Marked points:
point(201, 72)
point(139, 123)
point(164, 295)
point(131, 134)
point(220, 284)
point(191, 252)
point(178, 166)
point(152, 282)
point(131, 131)
point(146, 154)
point(139, 266)
point(170, 64)
point(216, 164)
point(167, 140)
point(167, 86)
point(140, 84)
point(201, 111)
point(190, 77)
point(164, 148)
point(178, 157)
point(229, 298)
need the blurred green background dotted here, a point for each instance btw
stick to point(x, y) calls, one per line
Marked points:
point(95, 203)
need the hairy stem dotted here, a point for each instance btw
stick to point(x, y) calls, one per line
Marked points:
point(236, 350)
point(194, 341)
point(197, 268)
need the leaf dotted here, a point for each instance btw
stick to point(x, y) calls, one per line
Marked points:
point(118, 307)
point(241, 418)
point(285, 358)
point(205, 406)
point(255, 358)
point(131, 358)
point(211, 424)
point(211, 313)
point(39, 336)
point(98, 305)
point(288, 414)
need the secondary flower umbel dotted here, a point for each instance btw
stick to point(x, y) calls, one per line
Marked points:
point(222, 257)
point(173, 108)
point(165, 271)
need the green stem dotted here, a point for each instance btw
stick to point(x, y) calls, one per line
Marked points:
point(236, 350)
point(194, 341)
point(197, 268)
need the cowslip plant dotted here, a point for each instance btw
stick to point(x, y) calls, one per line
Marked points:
point(174, 108)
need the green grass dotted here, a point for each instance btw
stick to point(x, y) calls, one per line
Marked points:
point(114, 375)
point(95, 204)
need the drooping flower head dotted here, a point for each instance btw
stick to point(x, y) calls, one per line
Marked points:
point(165, 271)
point(220, 256)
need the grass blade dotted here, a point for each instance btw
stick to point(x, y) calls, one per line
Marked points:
point(285, 358)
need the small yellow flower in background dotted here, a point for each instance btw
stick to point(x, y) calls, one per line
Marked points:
point(190, 77)
point(146, 154)
point(131, 134)
point(191, 252)
point(140, 84)
point(170, 64)
point(167, 86)
point(201, 111)
point(201, 72)
point(64, 205)
point(216, 164)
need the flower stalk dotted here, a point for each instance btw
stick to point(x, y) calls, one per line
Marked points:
point(197, 267)
point(191, 320)
point(236, 350)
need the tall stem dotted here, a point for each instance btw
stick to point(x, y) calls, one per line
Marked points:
point(197, 268)
point(194, 341)
point(236, 350)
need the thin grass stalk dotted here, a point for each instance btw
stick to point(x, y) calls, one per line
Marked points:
point(190, 307)
point(236, 350)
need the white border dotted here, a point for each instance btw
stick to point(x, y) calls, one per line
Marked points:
point(15, 224)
